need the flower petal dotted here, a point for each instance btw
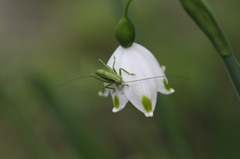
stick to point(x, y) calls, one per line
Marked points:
point(143, 96)
point(119, 100)
point(163, 68)
point(165, 88)
point(147, 104)
point(104, 92)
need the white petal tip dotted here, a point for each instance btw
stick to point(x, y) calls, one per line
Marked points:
point(102, 94)
point(166, 92)
point(163, 68)
point(114, 110)
point(171, 90)
point(150, 114)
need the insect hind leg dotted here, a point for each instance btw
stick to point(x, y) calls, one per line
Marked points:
point(114, 63)
point(121, 69)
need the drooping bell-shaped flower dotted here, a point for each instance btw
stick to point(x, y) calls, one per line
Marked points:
point(142, 87)
point(142, 75)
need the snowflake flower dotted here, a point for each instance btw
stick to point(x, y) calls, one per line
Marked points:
point(140, 89)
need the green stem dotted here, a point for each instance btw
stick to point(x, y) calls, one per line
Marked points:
point(202, 16)
point(125, 11)
point(233, 69)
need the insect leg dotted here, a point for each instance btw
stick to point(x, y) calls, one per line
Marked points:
point(126, 84)
point(114, 62)
point(105, 65)
point(108, 86)
point(119, 87)
point(122, 86)
point(121, 69)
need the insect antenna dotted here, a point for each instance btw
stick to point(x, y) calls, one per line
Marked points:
point(180, 77)
point(74, 79)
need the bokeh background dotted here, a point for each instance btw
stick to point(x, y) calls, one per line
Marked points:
point(46, 42)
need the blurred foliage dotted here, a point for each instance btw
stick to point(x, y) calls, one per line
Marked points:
point(44, 43)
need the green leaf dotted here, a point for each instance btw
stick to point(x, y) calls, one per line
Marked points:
point(201, 14)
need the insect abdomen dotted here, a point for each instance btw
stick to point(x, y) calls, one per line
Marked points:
point(108, 75)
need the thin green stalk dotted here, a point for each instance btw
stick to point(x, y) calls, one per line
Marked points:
point(125, 11)
point(203, 17)
point(233, 68)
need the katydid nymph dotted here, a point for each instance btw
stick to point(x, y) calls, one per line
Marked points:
point(111, 77)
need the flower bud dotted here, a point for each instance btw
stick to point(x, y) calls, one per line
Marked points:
point(125, 32)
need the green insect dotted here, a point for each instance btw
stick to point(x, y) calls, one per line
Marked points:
point(110, 76)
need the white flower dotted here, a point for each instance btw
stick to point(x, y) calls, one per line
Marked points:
point(140, 89)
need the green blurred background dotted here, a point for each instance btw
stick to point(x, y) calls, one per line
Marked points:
point(47, 42)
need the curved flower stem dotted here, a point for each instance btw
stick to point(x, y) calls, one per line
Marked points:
point(202, 16)
point(125, 11)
